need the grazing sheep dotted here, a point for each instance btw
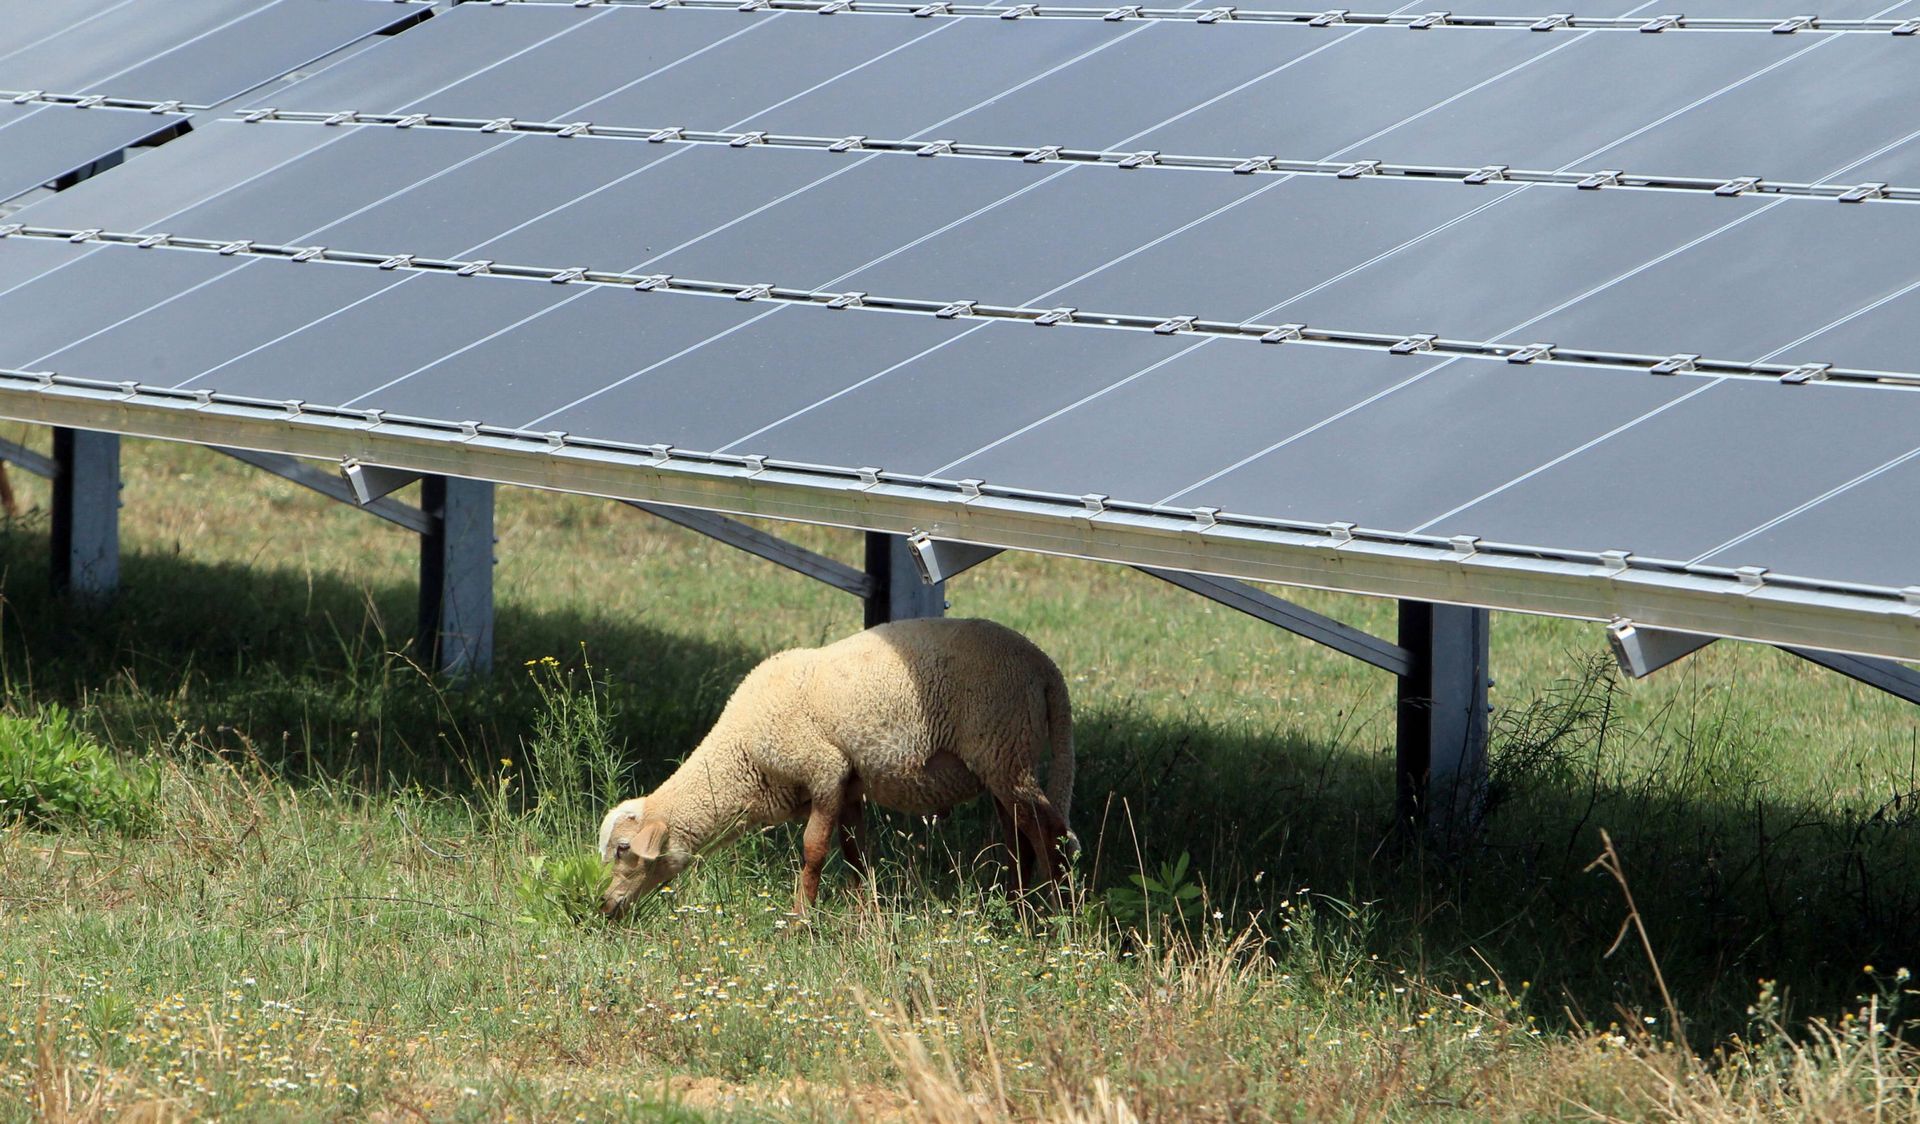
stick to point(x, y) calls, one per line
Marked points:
point(917, 715)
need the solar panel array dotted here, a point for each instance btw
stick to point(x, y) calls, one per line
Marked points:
point(82, 80)
point(1573, 314)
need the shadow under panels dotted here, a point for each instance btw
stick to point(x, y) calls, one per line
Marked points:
point(40, 143)
point(201, 52)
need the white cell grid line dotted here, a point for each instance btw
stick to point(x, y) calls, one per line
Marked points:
point(1555, 462)
point(655, 257)
point(1290, 439)
point(52, 35)
point(158, 55)
point(509, 232)
point(1817, 501)
point(238, 184)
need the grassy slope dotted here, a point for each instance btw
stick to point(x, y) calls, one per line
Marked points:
point(327, 921)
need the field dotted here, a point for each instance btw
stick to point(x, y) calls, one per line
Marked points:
point(300, 879)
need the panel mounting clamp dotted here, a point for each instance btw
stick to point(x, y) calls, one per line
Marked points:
point(1413, 344)
point(1254, 164)
point(1863, 192)
point(574, 129)
point(152, 240)
point(957, 308)
point(396, 261)
point(674, 132)
point(1341, 533)
point(940, 8)
point(1614, 561)
point(344, 117)
point(1597, 180)
point(1675, 364)
point(833, 6)
point(1807, 372)
point(1911, 595)
point(847, 300)
point(1907, 27)
point(869, 476)
point(754, 292)
point(1205, 517)
point(474, 268)
point(1357, 169)
point(1552, 22)
point(1214, 15)
point(1532, 352)
point(1492, 173)
point(1141, 159)
point(1430, 20)
point(1795, 23)
point(757, 136)
point(1095, 502)
point(1738, 186)
point(93, 232)
point(173, 106)
point(1173, 325)
point(1119, 14)
point(1658, 24)
point(934, 148)
point(227, 250)
point(1283, 333)
point(1328, 18)
point(1752, 577)
point(565, 276)
point(750, 5)
point(8, 230)
point(970, 487)
point(1016, 13)
point(1055, 316)
point(1041, 155)
point(1464, 547)
point(651, 282)
point(847, 144)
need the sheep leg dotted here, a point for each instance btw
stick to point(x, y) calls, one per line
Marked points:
point(815, 845)
point(1045, 829)
point(1019, 856)
point(853, 830)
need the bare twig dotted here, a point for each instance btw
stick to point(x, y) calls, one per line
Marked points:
point(1609, 861)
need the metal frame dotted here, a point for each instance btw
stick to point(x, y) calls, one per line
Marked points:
point(1342, 638)
point(456, 575)
point(899, 593)
point(758, 543)
point(86, 513)
point(1738, 604)
point(1642, 651)
point(1441, 742)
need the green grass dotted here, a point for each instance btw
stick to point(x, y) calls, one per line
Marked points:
point(361, 893)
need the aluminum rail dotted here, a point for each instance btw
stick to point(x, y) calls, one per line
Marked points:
point(1257, 165)
point(1418, 345)
point(1745, 604)
point(1334, 17)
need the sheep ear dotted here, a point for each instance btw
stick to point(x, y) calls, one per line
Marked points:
point(651, 840)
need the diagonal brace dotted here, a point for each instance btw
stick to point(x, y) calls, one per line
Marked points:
point(1895, 679)
point(1342, 638)
point(36, 463)
point(329, 485)
point(777, 550)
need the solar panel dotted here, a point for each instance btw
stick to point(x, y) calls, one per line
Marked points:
point(40, 143)
point(200, 52)
point(1752, 104)
point(952, 325)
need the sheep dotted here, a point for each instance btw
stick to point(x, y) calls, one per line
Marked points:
point(917, 715)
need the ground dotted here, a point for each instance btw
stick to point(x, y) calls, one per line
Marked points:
point(350, 891)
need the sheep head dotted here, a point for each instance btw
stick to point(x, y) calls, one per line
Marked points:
point(642, 853)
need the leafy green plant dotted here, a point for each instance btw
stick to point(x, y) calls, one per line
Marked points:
point(1167, 895)
point(53, 774)
point(561, 891)
point(575, 764)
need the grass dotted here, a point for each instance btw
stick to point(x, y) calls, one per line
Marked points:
point(360, 893)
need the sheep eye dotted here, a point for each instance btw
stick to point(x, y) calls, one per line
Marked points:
point(622, 847)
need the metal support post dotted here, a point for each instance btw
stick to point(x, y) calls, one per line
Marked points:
point(86, 513)
point(456, 575)
point(1442, 742)
point(898, 593)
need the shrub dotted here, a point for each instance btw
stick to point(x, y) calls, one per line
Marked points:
point(565, 890)
point(52, 774)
